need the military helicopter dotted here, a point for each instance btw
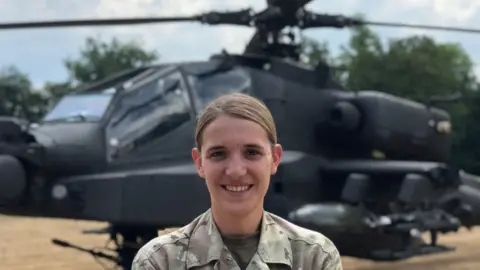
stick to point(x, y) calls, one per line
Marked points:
point(118, 151)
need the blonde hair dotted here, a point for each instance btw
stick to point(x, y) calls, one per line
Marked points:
point(237, 105)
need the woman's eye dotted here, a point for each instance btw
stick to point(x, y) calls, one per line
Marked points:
point(216, 154)
point(252, 152)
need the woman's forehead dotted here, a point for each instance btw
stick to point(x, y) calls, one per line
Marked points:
point(236, 141)
point(234, 131)
point(231, 125)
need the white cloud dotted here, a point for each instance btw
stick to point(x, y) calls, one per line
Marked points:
point(163, 35)
point(26, 10)
point(459, 11)
point(340, 6)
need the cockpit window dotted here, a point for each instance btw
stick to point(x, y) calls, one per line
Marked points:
point(210, 87)
point(80, 108)
point(148, 111)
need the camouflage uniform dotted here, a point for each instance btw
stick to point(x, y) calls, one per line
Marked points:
point(199, 245)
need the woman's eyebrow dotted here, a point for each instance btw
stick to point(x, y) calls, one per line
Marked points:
point(215, 147)
point(253, 145)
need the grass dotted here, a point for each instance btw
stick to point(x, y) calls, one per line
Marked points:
point(26, 245)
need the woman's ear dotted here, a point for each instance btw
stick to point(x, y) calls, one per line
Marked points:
point(197, 158)
point(277, 152)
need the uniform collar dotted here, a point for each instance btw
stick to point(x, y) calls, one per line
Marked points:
point(206, 244)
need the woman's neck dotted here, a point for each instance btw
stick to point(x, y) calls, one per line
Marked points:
point(231, 224)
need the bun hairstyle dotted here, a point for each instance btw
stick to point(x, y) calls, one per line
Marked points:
point(237, 105)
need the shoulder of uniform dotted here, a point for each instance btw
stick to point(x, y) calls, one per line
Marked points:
point(302, 236)
point(164, 240)
point(156, 251)
point(159, 245)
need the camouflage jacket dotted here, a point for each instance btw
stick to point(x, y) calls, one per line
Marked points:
point(199, 245)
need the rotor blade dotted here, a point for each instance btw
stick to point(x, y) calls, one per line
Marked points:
point(422, 26)
point(317, 20)
point(94, 22)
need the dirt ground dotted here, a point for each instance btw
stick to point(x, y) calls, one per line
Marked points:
point(25, 244)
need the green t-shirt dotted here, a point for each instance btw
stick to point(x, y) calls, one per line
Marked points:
point(242, 248)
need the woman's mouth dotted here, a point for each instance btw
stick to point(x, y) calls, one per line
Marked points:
point(237, 188)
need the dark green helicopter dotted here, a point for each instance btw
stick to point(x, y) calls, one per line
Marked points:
point(367, 169)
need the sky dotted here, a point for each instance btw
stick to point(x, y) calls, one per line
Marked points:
point(41, 53)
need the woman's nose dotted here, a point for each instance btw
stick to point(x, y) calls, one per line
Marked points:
point(236, 168)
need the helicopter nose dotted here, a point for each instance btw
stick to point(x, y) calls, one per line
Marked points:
point(12, 179)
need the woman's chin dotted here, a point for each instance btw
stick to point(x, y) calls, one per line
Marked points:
point(237, 207)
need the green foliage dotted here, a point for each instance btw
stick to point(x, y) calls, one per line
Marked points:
point(56, 91)
point(469, 150)
point(414, 67)
point(99, 60)
point(17, 98)
point(314, 52)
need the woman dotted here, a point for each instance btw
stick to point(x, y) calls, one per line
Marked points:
point(236, 154)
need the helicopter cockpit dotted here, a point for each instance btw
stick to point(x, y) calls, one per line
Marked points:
point(160, 101)
point(137, 113)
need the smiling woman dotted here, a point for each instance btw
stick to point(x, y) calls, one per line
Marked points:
point(236, 153)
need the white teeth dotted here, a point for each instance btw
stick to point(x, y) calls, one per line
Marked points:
point(237, 188)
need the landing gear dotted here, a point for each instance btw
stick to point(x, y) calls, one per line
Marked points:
point(128, 240)
point(411, 225)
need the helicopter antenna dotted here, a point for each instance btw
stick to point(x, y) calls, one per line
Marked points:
point(269, 24)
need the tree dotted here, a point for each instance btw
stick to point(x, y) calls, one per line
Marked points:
point(470, 143)
point(314, 52)
point(18, 99)
point(99, 59)
point(56, 91)
point(415, 67)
